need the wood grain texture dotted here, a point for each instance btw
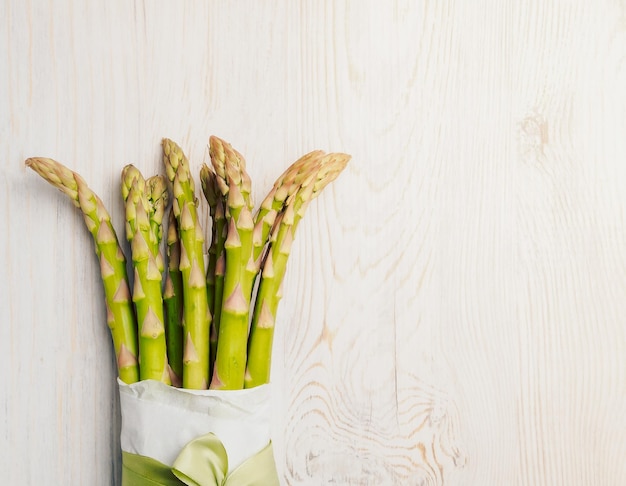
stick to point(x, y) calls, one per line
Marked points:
point(454, 307)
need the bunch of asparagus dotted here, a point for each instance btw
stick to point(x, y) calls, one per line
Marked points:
point(184, 323)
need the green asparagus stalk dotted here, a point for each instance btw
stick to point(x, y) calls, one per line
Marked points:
point(316, 173)
point(143, 232)
point(216, 264)
point(120, 314)
point(197, 318)
point(173, 299)
point(234, 184)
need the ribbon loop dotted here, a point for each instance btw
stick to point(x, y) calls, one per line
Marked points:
point(202, 462)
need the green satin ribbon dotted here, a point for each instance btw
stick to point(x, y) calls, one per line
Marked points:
point(202, 462)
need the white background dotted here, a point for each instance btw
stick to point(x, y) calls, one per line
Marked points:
point(455, 305)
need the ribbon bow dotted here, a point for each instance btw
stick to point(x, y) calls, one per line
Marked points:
point(202, 462)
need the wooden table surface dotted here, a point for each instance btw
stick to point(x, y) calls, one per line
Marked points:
point(454, 309)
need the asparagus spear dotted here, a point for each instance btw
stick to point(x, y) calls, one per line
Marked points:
point(197, 318)
point(216, 265)
point(144, 234)
point(158, 199)
point(173, 299)
point(234, 184)
point(316, 174)
point(120, 315)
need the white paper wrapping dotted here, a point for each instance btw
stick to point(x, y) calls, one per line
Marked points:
point(159, 420)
